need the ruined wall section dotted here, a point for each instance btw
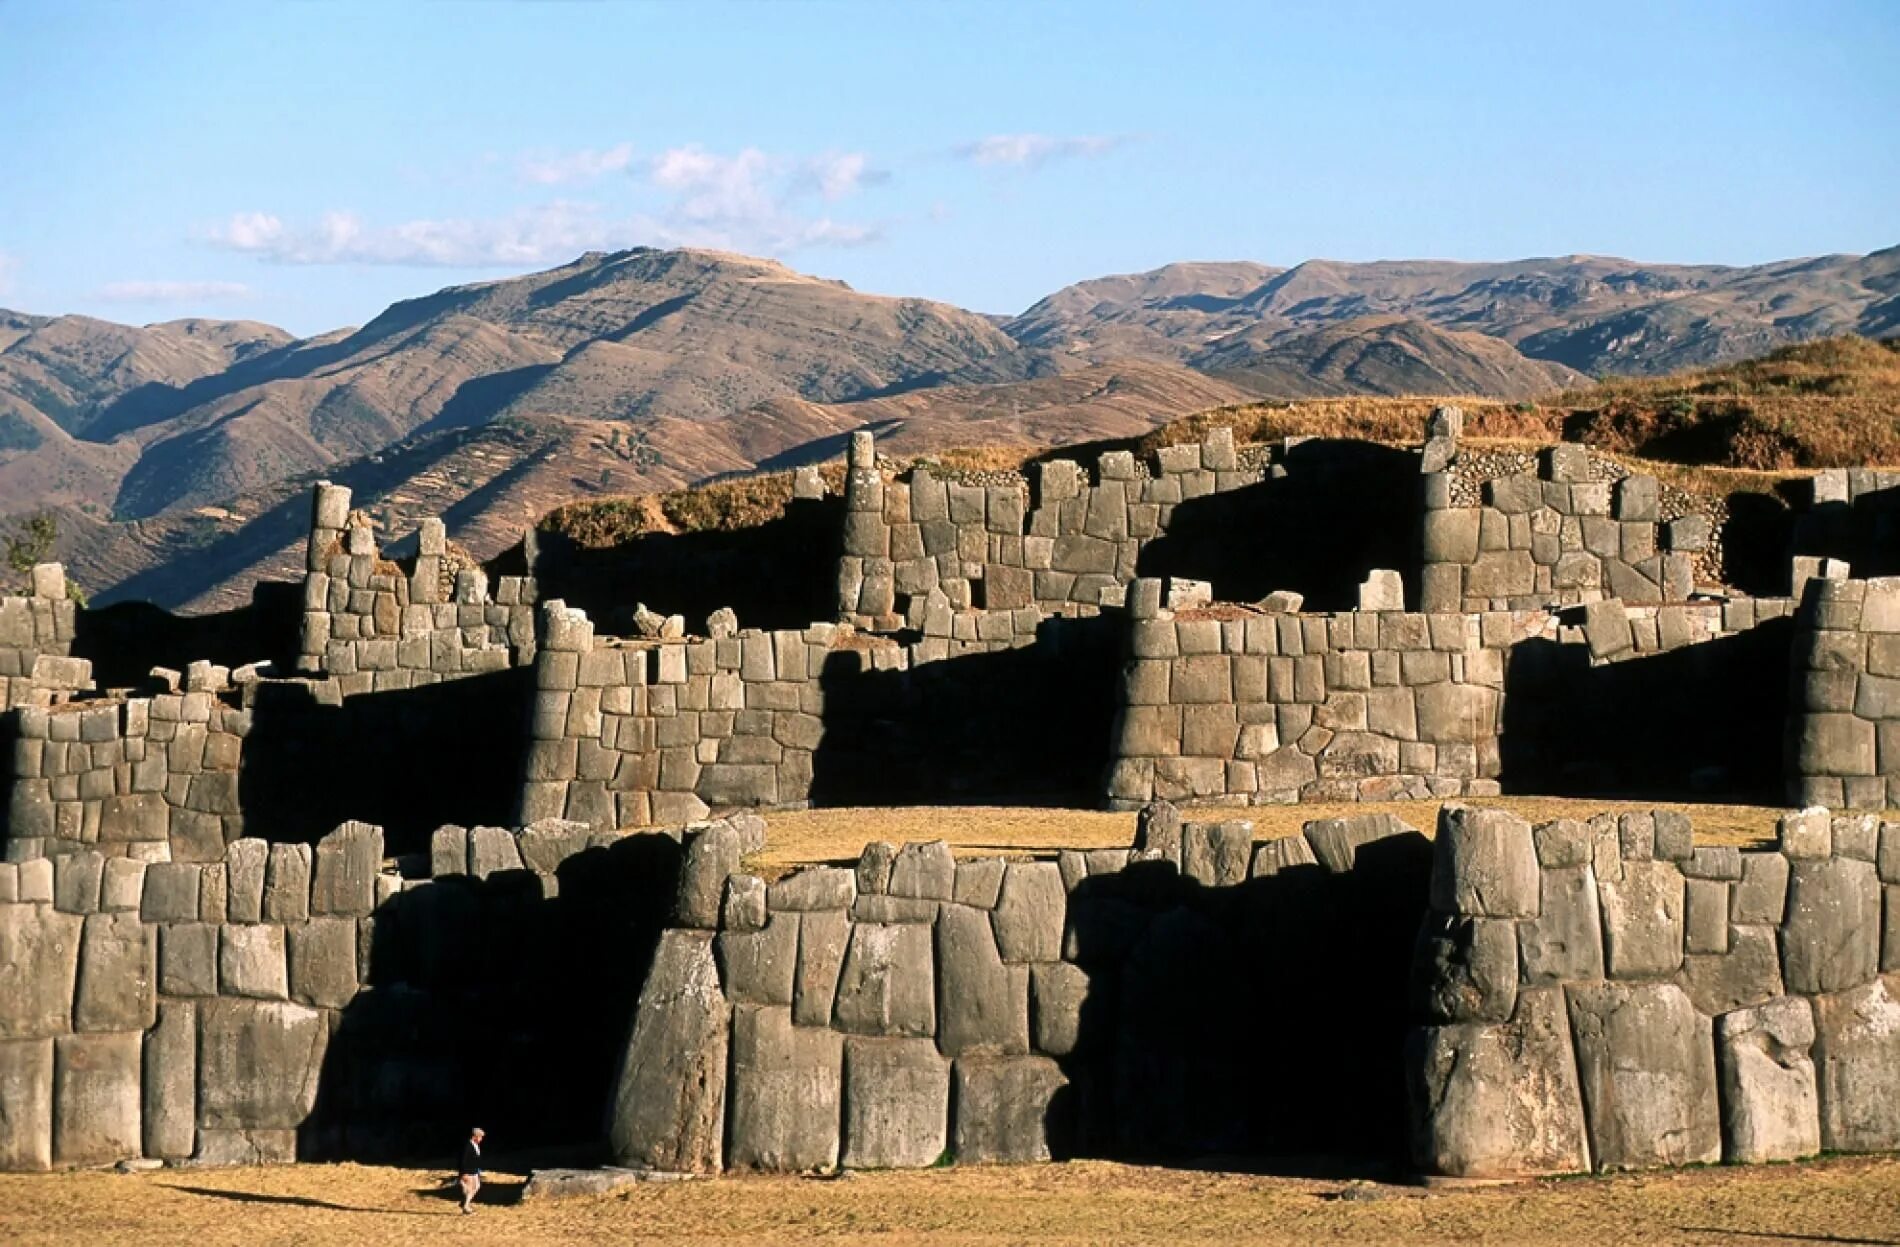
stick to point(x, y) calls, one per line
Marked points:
point(1844, 722)
point(1616, 632)
point(1231, 704)
point(1606, 995)
point(36, 642)
point(1509, 530)
point(636, 732)
point(986, 558)
point(917, 1009)
point(152, 778)
point(374, 627)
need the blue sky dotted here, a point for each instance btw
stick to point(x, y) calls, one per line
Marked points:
point(307, 164)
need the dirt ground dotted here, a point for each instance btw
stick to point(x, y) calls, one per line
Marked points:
point(1837, 1201)
point(798, 836)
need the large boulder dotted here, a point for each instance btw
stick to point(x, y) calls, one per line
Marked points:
point(1029, 912)
point(1642, 920)
point(26, 1104)
point(1501, 1100)
point(1564, 943)
point(758, 967)
point(670, 1100)
point(711, 855)
point(896, 1103)
point(118, 974)
point(258, 1063)
point(982, 1004)
point(1003, 1108)
point(1646, 1061)
point(1484, 864)
point(785, 1092)
point(888, 986)
point(1466, 968)
point(1770, 1110)
point(95, 1099)
point(170, 1118)
point(343, 879)
point(39, 967)
point(1830, 940)
point(1857, 1067)
point(822, 937)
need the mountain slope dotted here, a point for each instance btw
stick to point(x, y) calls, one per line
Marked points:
point(1389, 355)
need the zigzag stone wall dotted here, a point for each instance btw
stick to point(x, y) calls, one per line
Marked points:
point(918, 545)
point(36, 641)
point(1844, 727)
point(374, 627)
point(1606, 995)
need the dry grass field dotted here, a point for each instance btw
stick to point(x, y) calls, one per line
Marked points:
point(1835, 1201)
point(836, 835)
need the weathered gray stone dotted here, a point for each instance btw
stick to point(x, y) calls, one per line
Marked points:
point(1484, 864)
point(96, 1098)
point(39, 966)
point(815, 887)
point(1857, 1068)
point(344, 876)
point(245, 863)
point(171, 892)
point(896, 1103)
point(1830, 940)
point(758, 967)
point(1805, 833)
point(1642, 920)
point(1466, 968)
point(1495, 1101)
point(118, 974)
point(979, 882)
point(888, 985)
point(1003, 1107)
point(1762, 894)
point(322, 960)
point(549, 1185)
point(874, 867)
point(26, 1104)
point(76, 880)
point(1564, 943)
point(1336, 841)
point(1158, 830)
point(711, 855)
point(1770, 1109)
point(287, 883)
point(259, 1061)
point(1217, 854)
point(670, 1100)
point(982, 1004)
point(1285, 853)
point(1057, 990)
point(785, 1092)
point(188, 959)
point(170, 1116)
point(1749, 973)
point(492, 850)
point(822, 936)
point(226, 1147)
point(1647, 1066)
point(1705, 916)
point(927, 871)
point(448, 851)
point(251, 961)
point(1029, 912)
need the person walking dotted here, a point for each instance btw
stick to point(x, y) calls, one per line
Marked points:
point(469, 1174)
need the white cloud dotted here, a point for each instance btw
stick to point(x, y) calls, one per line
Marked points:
point(172, 291)
point(749, 200)
point(585, 165)
point(1032, 151)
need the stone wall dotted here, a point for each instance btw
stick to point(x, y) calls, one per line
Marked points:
point(1233, 704)
point(375, 627)
point(1605, 995)
point(1506, 530)
point(292, 1001)
point(925, 542)
point(1617, 632)
point(36, 642)
point(1844, 726)
point(918, 1008)
point(1853, 515)
point(154, 778)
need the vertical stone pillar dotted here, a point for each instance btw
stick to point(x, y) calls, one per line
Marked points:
point(329, 512)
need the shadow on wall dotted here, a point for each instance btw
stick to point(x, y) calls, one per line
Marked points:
point(408, 760)
point(489, 1004)
point(126, 640)
point(1264, 1020)
point(1342, 509)
point(1693, 723)
point(1865, 532)
point(1030, 724)
point(781, 574)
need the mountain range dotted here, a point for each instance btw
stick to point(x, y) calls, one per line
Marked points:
point(176, 453)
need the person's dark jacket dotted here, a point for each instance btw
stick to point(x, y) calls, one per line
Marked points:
point(471, 1160)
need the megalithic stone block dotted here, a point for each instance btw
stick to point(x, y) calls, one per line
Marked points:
point(1003, 1109)
point(785, 1092)
point(170, 1118)
point(1770, 1108)
point(96, 1098)
point(669, 1107)
point(26, 1104)
point(39, 965)
point(259, 1061)
point(896, 1103)
point(118, 974)
point(1646, 1060)
point(1857, 1067)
